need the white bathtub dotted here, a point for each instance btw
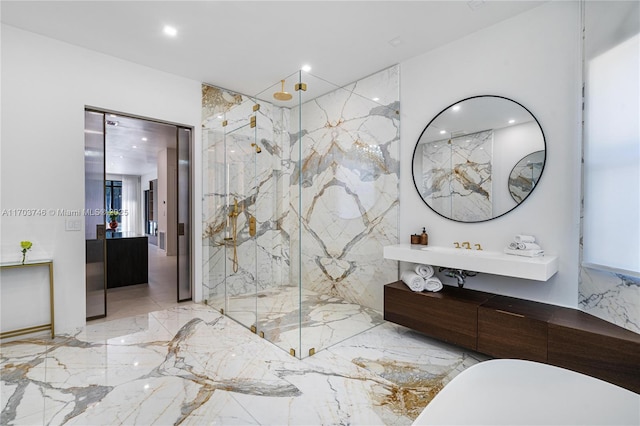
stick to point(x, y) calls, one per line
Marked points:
point(516, 392)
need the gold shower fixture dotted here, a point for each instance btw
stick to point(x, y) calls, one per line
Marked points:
point(258, 149)
point(233, 217)
point(282, 95)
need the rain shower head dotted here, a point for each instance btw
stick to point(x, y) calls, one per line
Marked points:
point(282, 95)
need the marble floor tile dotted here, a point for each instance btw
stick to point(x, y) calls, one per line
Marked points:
point(190, 365)
point(321, 320)
point(158, 294)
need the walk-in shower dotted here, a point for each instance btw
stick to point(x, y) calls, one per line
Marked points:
point(300, 196)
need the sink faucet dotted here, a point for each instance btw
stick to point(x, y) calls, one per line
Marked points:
point(478, 247)
point(457, 244)
point(459, 274)
point(467, 245)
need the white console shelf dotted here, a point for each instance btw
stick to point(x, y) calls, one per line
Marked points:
point(539, 268)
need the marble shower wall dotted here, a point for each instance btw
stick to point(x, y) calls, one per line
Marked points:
point(456, 176)
point(233, 170)
point(345, 146)
point(348, 202)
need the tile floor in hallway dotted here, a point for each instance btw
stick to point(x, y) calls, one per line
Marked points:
point(190, 365)
point(159, 293)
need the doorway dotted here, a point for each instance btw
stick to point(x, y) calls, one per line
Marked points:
point(137, 214)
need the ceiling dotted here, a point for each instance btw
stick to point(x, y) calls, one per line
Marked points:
point(133, 144)
point(249, 46)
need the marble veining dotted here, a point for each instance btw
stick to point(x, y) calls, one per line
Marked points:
point(525, 175)
point(324, 193)
point(456, 180)
point(348, 200)
point(612, 297)
point(191, 365)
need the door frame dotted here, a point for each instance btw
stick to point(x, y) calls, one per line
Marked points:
point(191, 213)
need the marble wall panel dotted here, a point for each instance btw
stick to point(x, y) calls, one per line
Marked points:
point(348, 198)
point(234, 170)
point(610, 296)
point(456, 180)
point(323, 189)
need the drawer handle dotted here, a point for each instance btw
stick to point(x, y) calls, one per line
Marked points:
point(510, 313)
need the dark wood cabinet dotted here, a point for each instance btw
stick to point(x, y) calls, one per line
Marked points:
point(513, 328)
point(507, 327)
point(589, 345)
point(450, 315)
point(127, 261)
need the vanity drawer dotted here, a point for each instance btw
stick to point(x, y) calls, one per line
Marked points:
point(450, 315)
point(514, 328)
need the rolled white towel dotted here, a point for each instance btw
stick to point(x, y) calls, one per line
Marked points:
point(524, 246)
point(414, 281)
point(525, 239)
point(529, 246)
point(433, 284)
point(425, 271)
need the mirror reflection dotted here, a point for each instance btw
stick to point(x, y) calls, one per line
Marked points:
point(524, 176)
point(466, 157)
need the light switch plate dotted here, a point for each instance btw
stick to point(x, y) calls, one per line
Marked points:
point(72, 224)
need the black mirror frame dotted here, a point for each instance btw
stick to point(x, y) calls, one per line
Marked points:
point(544, 141)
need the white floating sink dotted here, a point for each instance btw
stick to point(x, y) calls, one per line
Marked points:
point(539, 268)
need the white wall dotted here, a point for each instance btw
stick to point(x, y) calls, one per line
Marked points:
point(533, 59)
point(46, 85)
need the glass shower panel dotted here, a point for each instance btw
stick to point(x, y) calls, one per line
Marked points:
point(214, 215)
point(348, 142)
point(324, 196)
point(278, 301)
point(240, 246)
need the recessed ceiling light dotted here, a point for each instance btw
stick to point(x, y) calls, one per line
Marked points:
point(144, 139)
point(395, 42)
point(475, 4)
point(512, 121)
point(376, 99)
point(121, 156)
point(134, 147)
point(170, 31)
point(442, 132)
point(456, 108)
point(306, 68)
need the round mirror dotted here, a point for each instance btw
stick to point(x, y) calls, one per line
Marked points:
point(471, 161)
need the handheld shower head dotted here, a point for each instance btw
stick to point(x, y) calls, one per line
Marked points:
point(258, 149)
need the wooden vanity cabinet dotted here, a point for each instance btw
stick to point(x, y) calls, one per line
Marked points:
point(506, 327)
point(584, 343)
point(450, 315)
point(514, 328)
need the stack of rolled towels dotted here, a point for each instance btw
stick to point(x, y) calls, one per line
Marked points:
point(524, 245)
point(421, 278)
